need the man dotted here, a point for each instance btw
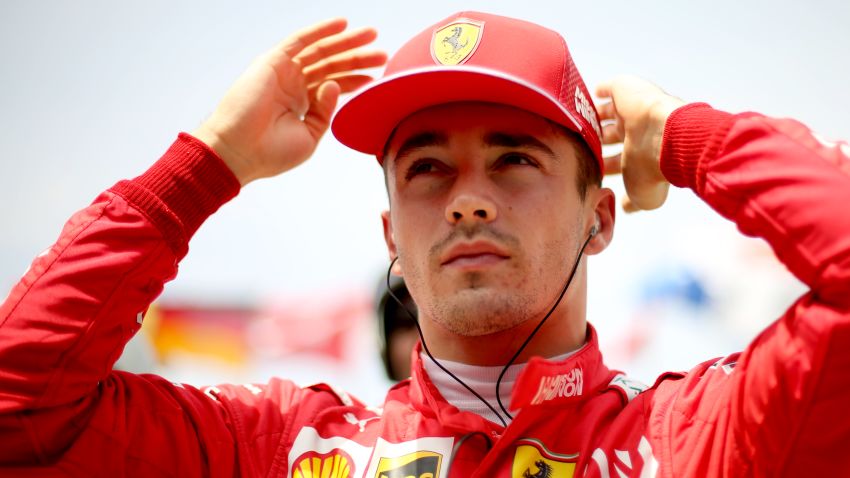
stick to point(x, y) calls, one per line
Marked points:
point(491, 148)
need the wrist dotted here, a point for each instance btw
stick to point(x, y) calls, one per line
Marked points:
point(692, 132)
point(235, 162)
point(660, 112)
point(182, 189)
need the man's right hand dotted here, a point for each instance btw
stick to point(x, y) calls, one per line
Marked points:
point(273, 116)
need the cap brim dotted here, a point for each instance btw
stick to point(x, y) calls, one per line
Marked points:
point(365, 122)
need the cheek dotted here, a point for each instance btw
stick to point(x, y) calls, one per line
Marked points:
point(416, 222)
point(409, 231)
point(414, 238)
point(549, 237)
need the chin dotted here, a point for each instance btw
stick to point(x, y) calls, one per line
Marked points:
point(477, 312)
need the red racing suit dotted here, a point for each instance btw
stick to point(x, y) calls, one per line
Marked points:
point(780, 408)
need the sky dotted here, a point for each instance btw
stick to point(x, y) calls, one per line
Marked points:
point(92, 92)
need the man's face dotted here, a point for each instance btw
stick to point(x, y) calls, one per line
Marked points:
point(485, 215)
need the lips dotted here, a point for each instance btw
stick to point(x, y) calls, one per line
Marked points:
point(473, 254)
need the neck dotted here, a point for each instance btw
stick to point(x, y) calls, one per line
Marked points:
point(482, 379)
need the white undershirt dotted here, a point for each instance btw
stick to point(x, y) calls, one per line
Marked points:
point(480, 378)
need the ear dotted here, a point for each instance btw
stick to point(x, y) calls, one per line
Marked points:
point(389, 238)
point(600, 213)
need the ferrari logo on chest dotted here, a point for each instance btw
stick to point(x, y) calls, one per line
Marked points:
point(533, 460)
point(455, 43)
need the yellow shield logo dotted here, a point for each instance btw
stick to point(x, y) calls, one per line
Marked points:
point(420, 464)
point(335, 464)
point(533, 460)
point(456, 42)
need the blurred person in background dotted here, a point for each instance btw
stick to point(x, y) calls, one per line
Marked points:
point(491, 147)
point(397, 334)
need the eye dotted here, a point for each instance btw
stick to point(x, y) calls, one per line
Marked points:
point(420, 166)
point(516, 159)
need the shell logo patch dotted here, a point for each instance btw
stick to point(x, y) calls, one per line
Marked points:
point(334, 464)
point(419, 464)
point(455, 43)
point(533, 460)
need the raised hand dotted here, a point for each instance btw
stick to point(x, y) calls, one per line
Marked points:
point(273, 116)
point(637, 113)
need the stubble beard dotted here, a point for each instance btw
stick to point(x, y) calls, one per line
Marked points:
point(473, 312)
point(483, 306)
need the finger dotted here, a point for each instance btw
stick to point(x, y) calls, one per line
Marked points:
point(607, 111)
point(327, 47)
point(612, 133)
point(347, 83)
point(628, 205)
point(649, 197)
point(318, 117)
point(613, 164)
point(303, 38)
point(350, 61)
point(603, 90)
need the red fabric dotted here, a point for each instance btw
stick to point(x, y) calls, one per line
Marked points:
point(778, 408)
point(506, 61)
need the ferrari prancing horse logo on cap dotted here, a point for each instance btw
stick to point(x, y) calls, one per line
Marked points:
point(454, 43)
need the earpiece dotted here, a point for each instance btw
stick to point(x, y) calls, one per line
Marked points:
point(595, 229)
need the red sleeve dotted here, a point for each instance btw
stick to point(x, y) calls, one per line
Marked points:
point(65, 323)
point(778, 408)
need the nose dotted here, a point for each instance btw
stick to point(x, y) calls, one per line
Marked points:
point(470, 208)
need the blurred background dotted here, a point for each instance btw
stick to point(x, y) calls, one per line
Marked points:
point(282, 281)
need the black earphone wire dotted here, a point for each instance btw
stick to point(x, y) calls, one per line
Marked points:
point(428, 352)
point(518, 352)
point(542, 321)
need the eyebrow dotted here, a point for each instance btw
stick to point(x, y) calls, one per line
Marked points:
point(421, 140)
point(509, 140)
point(493, 139)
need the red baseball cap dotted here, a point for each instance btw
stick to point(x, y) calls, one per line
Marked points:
point(472, 56)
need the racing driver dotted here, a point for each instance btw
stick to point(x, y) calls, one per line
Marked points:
point(491, 147)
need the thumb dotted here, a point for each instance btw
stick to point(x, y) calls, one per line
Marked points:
point(628, 205)
point(649, 196)
point(604, 89)
point(318, 117)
